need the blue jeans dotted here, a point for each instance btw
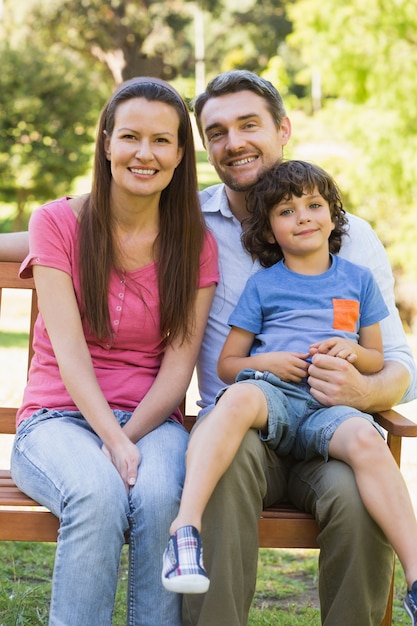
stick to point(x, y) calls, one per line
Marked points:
point(57, 460)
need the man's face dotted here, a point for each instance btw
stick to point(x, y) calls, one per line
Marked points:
point(242, 138)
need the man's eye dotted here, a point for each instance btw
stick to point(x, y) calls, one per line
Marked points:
point(215, 135)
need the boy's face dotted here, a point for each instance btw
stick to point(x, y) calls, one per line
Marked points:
point(242, 138)
point(303, 225)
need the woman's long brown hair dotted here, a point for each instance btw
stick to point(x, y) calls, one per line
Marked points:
point(181, 224)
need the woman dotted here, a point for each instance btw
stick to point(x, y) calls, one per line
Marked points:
point(125, 277)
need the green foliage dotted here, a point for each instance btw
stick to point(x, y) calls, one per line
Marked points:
point(48, 109)
point(129, 37)
point(366, 55)
point(358, 58)
point(245, 35)
point(206, 173)
point(360, 47)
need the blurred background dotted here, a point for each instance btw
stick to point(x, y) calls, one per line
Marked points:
point(346, 72)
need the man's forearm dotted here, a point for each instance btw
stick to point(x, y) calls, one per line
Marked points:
point(14, 246)
point(386, 388)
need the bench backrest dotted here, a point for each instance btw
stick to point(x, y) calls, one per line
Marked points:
point(9, 279)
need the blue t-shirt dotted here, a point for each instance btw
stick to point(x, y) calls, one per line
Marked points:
point(289, 311)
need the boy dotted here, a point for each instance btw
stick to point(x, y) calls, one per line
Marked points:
point(296, 220)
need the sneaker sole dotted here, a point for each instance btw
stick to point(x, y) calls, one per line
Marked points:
point(409, 612)
point(188, 583)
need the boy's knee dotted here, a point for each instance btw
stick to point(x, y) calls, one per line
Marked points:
point(366, 444)
point(242, 398)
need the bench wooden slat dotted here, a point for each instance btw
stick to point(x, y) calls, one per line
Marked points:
point(9, 277)
point(28, 525)
point(7, 421)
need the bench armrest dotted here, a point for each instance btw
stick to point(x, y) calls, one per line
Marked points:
point(396, 424)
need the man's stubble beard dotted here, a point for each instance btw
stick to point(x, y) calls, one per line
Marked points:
point(230, 182)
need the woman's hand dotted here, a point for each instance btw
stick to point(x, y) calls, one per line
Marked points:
point(126, 459)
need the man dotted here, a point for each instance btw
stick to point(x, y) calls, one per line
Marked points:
point(244, 127)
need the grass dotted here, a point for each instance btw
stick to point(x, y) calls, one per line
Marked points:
point(286, 593)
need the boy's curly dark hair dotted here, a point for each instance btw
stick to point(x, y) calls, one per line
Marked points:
point(284, 180)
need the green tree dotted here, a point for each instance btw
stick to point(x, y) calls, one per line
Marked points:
point(366, 54)
point(245, 34)
point(366, 57)
point(48, 108)
point(142, 37)
point(129, 37)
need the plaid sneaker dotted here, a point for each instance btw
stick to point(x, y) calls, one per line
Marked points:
point(182, 564)
point(410, 603)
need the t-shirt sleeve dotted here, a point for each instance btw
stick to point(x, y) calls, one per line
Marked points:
point(373, 308)
point(248, 311)
point(50, 238)
point(209, 262)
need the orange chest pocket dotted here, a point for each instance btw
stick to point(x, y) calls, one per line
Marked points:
point(345, 314)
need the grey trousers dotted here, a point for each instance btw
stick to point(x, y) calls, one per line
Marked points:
point(355, 563)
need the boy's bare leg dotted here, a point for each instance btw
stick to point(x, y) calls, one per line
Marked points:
point(256, 478)
point(213, 446)
point(381, 486)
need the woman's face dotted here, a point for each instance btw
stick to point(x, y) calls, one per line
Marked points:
point(143, 149)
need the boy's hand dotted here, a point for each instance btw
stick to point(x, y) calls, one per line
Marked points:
point(288, 366)
point(336, 346)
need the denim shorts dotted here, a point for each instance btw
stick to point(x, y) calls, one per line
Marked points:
point(297, 423)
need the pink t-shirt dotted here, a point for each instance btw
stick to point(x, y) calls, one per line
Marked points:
point(125, 364)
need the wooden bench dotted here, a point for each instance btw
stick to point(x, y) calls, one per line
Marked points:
point(283, 526)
